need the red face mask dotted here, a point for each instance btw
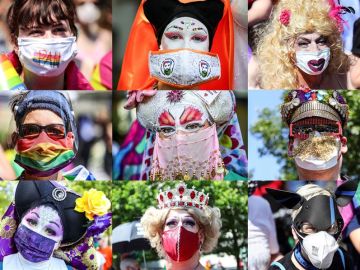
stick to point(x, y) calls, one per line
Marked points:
point(180, 244)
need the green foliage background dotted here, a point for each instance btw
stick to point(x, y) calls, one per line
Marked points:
point(274, 136)
point(7, 192)
point(131, 199)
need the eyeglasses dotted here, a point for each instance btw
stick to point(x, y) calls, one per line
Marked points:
point(31, 131)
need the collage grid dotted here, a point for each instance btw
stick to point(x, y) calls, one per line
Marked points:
point(179, 134)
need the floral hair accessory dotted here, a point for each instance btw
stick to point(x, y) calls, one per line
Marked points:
point(284, 17)
point(94, 203)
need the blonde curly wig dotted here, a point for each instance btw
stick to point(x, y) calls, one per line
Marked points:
point(275, 50)
point(208, 219)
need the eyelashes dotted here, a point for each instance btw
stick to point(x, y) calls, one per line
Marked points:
point(173, 36)
point(188, 222)
point(48, 229)
point(179, 36)
point(32, 221)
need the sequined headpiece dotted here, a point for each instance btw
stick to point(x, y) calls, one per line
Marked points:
point(182, 196)
point(301, 104)
point(218, 106)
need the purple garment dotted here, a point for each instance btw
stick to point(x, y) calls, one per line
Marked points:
point(32, 246)
point(8, 227)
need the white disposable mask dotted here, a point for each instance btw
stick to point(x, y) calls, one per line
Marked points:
point(320, 248)
point(184, 68)
point(47, 57)
point(313, 63)
point(313, 163)
point(88, 13)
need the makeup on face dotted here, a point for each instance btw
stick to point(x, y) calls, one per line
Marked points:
point(185, 33)
point(178, 217)
point(45, 221)
point(184, 118)
point(311, 42)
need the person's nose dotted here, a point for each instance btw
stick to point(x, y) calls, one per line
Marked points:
point(187, 43)
point(48, 34)
point(314, 47)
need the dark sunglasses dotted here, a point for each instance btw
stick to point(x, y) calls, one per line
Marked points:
point(30, 131)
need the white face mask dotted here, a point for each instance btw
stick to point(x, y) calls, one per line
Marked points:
point(320, 248)
point(47, 57)
point(313, 163)
point(184, 68)
point(313, 63)
point(185, 33)
point(88, 13)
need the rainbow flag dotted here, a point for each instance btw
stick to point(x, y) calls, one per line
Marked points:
point(9, 78)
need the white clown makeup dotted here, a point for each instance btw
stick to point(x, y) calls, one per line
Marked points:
point(312, 53)
point(45, 221)
point(185, 33)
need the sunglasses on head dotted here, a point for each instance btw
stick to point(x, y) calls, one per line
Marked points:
point(30, 131)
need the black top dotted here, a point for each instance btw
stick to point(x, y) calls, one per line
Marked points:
point(336, 264)
point(356, 38)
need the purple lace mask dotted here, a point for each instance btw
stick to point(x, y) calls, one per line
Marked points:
point(33, 246)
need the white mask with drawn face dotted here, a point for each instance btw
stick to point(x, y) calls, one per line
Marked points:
point(185, 33)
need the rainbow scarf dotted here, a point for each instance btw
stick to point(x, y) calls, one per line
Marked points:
point(9, 78)
point(43, 156)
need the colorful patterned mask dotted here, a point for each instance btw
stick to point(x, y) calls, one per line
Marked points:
point(44, 156)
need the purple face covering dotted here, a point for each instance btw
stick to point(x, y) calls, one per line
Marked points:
point(33, 246)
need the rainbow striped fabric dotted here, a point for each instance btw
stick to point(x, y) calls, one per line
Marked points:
point(9, 78)
point(47, 155)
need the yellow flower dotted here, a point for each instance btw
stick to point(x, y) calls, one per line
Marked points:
point(93, 203)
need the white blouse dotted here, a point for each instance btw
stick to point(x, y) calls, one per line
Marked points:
point(18, 262)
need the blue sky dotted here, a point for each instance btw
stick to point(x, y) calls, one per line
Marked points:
point(264, 167)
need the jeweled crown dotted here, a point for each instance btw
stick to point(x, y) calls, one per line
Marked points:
point(182, 196)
